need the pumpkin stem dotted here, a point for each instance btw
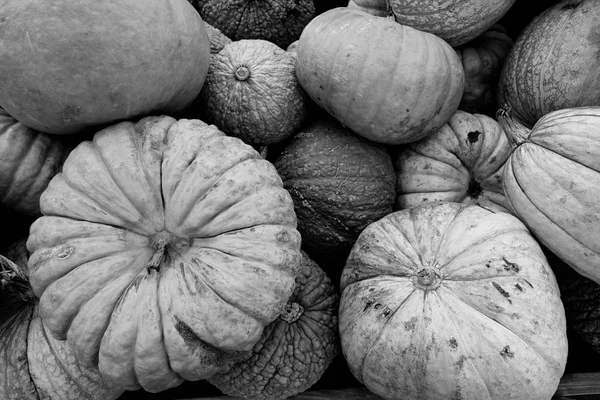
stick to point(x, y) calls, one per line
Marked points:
point(516, 132)
point(242, 73)
point(292, 312)
point(154, 263)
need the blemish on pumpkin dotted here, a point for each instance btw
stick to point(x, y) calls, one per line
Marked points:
point(70, 112)
point(65, 252)
point(510, 266)
point(410, 324)
point(529, 283)
point(453, 343)
point(460, 362)
point(368, 305)
point(377, 306)
point(488, 264)
point(519, 287)
point(515, 316)
point(473, 137)
point(502, 291)
point(505, 352)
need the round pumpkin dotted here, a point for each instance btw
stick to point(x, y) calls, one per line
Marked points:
point(482, 59)
point(80, 64)
point(34, 365)
point(552, 182)
point(251, 92)
point(378, 8)
point(387, 82)
point(164, 250)
point(339, 182)
point(462, 162)
point(455, 21)
point(296, 349)
point(28, 160)
point(554, 62)
point(452, 301)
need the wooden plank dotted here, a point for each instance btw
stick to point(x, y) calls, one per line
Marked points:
point(579, 384)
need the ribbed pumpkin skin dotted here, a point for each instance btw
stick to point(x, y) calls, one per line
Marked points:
point(340, 183)
point(552, 182)
point(28, 160)
point(378, 8)
point(462, 162)
point(455, 21)
point(70, 65)
point(165, 249)
point(554, 62)
point(389, 83)
point(449, 301)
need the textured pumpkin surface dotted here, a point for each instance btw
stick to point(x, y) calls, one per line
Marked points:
point(34, 365)
point(277, 21)
point(340, 183)
point(387, 82)
point(462, 162)
point(296, 349)
point(251, 92)
point(552, 182)
point(28, 160)
point(455, 21)
point(376, 7)
point(165, 249)
point(77, 64)
point(216, 38)
point(554, 62)
point(452, 301)
point(482, 59)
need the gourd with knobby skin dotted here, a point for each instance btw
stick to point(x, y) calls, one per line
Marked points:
point(164, 250)
point(552, 182)
point(448, 301)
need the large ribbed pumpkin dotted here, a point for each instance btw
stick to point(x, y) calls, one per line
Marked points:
point(69, 65)
point(387, 82)
point(452, 301)
point(455, 21)
point(552, 182)
point(554, 62)
point(165, 249)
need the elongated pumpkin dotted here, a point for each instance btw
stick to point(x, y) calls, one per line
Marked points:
point(452, 301)
point(164, 250)
point(552, 182)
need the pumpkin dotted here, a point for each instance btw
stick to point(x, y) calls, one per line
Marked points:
point(164, 250)
point(296, 349)
point(452, 301)
point(462, 162)
point(455, 21)
point(553, 63)
point(389, 83)
point(28, 160)
point(82, 64)
point(552, 182)
point(34, 365)
point(339, 182)
point(279, 21)
point(216, 38)
point(482, 59)
point(252, 93)
point(378, 8)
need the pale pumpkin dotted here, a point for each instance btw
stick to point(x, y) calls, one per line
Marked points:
point(296, 349)
point(34, 365)
point(552, 182)
point(554, 62)
point(387, 82)
point(74, 65)
point(452, 301)
point(378, 8)
point(251, 92)
point(462, 162)
point(482, 59)
point(455, 21)
point(165, 249)
point(28, 160)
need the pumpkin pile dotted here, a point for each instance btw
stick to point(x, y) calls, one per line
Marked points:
point(260, 199)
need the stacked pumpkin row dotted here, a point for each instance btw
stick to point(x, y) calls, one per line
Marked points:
point(164, 249)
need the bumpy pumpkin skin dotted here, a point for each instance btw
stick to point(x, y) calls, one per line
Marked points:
point(387, 82)
point(455, 21)
point(378, 8)
point(452, 301)
point(296, 349)
point(553, 64)
point(552, 183)
point(340, 183)
point(482, 59)
point(462, 162)
point(216, 38)
point(78, 64)
point(277, 21)
point(28, 160)
point(251, 92)
point(35, 366)
point(165, 249)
